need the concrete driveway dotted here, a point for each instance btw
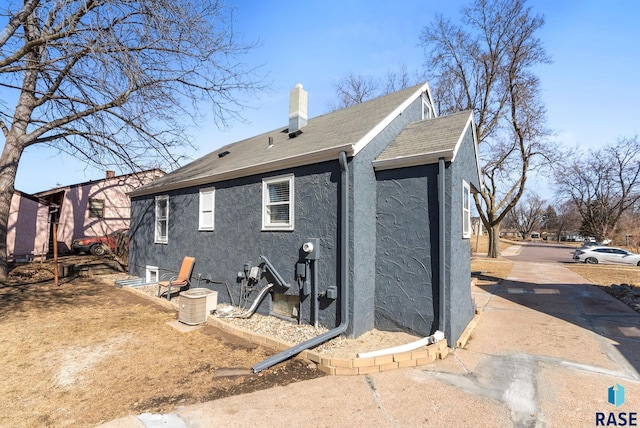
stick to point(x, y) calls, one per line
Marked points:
point(544, 353)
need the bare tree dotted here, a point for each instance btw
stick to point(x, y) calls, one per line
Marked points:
point(485, 64)
point(549, 220)
point(602, 185)
point(526, 216)
point(111, 81)
point(567, 220)
point(396, 80)
point(629, 230)
point(354, 89)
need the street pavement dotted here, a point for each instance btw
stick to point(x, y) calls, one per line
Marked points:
point(546, 349)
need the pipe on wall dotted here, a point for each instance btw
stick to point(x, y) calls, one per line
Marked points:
point(344, 279)
point(316, 293)
point(281, 282)
point(247, 313)
point(442, 313)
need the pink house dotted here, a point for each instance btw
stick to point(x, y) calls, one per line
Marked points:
point(93, 208)
point(27, 229)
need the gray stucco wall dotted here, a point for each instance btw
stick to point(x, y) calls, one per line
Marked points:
point(459, 304)
point(238, 239)
point(363, 222)
point(407, 235)
point(407, 275)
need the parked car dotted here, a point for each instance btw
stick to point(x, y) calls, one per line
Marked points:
point(598, 254)
point(97, 245)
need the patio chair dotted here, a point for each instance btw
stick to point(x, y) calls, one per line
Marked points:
point(181, 282)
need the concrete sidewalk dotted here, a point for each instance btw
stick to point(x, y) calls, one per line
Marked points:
point(544, 352)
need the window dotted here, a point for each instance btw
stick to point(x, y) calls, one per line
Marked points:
point(277, 203)
point(162, 219)
point(207, 203)
point(466, 210)
point(618, 252)
point(151, 274)
point(427, 112)
point(96, 208)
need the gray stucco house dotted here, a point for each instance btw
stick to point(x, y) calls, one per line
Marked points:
point(359, 218)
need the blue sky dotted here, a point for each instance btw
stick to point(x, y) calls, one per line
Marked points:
point(591, 89)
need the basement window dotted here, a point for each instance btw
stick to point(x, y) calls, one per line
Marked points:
point(278, 203)
point(285, 306)
point(151, 274)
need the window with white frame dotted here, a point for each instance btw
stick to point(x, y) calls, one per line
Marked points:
point(427, 111)
point(207, 204)
point(277, 203)
point(162, 220)
point(151, 274)
point(466, 210)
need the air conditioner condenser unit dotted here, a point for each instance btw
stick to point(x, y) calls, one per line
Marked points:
point(196, 305)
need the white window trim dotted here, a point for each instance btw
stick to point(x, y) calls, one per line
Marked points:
point(426, 106)
point(203, 209)
point(151, 274)
point(466, 210)
point(265, 201)
point(157, 238)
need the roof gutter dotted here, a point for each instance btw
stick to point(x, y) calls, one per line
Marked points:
point(344, 279)
point(290, 162)
point(412, 160)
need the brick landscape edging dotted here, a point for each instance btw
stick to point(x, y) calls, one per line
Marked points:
point(336, 366)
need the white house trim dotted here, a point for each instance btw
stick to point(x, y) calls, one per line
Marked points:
point(369, 136)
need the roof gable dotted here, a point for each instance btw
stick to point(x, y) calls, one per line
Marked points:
point(322, 139)
point(426, 141)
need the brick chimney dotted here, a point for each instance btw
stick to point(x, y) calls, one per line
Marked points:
point(111, 174)
point(298, 101)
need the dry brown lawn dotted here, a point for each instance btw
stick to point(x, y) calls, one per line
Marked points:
point(602, 274)
point(87, 352)
point(491, 269)
point(481, 245)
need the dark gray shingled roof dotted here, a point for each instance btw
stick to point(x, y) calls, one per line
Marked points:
point(323, 138)
point(425, 142)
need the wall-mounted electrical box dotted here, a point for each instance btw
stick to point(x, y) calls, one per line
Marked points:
point(301, 270)
point(332, 292)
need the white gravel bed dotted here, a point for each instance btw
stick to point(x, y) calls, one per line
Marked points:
point(294, 333)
